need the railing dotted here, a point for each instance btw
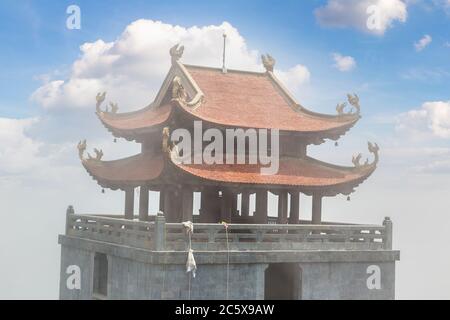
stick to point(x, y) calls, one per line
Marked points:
point(121, 231)
point(159, 235)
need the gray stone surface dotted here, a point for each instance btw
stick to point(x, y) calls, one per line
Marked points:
point(143, 274)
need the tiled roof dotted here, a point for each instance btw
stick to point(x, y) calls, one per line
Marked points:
point(245, 99)
point(235, 99)
point(292, 172)
point(129, 123)
point(131, 171)
point(146, 169)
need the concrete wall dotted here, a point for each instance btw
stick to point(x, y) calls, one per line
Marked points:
point(129, 279)
point(135, 280)
point(142, 274)
point(346, 280)
point(84, 260)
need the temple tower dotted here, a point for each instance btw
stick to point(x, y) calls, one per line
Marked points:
point(241, 250)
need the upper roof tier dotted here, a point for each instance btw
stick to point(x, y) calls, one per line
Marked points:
point(229, 98)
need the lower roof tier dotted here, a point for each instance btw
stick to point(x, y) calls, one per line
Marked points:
point(308, 175)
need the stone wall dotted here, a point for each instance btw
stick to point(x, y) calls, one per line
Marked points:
point(143, 274)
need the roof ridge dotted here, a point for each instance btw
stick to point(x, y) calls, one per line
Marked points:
point(262, 73)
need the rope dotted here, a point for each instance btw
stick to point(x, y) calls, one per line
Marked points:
point(228, 258)
point(189, 273)
point(163, 282)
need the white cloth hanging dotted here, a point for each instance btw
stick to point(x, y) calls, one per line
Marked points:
point(191, 266)
point(189, 227)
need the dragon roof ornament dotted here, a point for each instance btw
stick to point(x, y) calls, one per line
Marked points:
point(99, 98)
point(373, 148)
point(82, 149)
point(353, 100)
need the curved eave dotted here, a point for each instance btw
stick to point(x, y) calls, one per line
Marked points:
point(134, 171)
point(308, 175)
point(134, 125)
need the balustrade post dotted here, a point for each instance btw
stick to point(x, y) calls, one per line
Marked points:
point(70, 210)
point(387, 240)
point(160, 233)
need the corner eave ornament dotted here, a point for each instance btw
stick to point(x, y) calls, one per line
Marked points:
point(82, 148)
point(353, 100)
point(268, 62)
point(373, 148)
point(100, 98)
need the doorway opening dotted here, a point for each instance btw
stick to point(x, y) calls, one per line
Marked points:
point(100, 278)
point(283, 281)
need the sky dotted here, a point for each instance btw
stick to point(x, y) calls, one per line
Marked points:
point(396, 57)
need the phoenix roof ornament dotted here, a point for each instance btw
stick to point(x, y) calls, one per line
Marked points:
point(176, 52)
point(268, 62)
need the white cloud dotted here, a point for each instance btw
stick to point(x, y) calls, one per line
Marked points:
point(18, 152)
point(132, 67)
point(433, 118)
point(343, 63)
point(423, 42)
point(294, 77)
point(371, 16)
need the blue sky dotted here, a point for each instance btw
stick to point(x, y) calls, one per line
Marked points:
point(50, 75)
point(35, 41)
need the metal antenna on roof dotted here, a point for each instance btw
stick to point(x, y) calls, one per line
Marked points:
point(224, 69)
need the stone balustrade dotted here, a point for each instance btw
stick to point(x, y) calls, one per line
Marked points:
point(161, 236)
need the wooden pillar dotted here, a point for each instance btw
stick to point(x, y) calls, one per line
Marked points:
point(172, 205)
point(161, 200)
point(282, 207)
point(261, 206)
point(245, 200)
point(209, 206)
point(143, 203)
point(234, 209)
point(187, 204)
point(225, 206)
point(317, 209)
point(129, 203)
point(294, 214)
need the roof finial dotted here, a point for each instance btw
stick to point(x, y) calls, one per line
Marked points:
point(176, 52)
point(268, 62)
point(224, 69)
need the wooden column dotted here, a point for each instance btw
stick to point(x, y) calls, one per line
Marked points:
point(234, 209)
point(143, 203)
point(225, 206)
point(261, 207)
point(187, 204)
point(245, 200)
point(129, 203)
point(161, 200)
point(294, 214)
point(282, 207)
point(172, 205)
point(209, 206)
point(317, 209)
